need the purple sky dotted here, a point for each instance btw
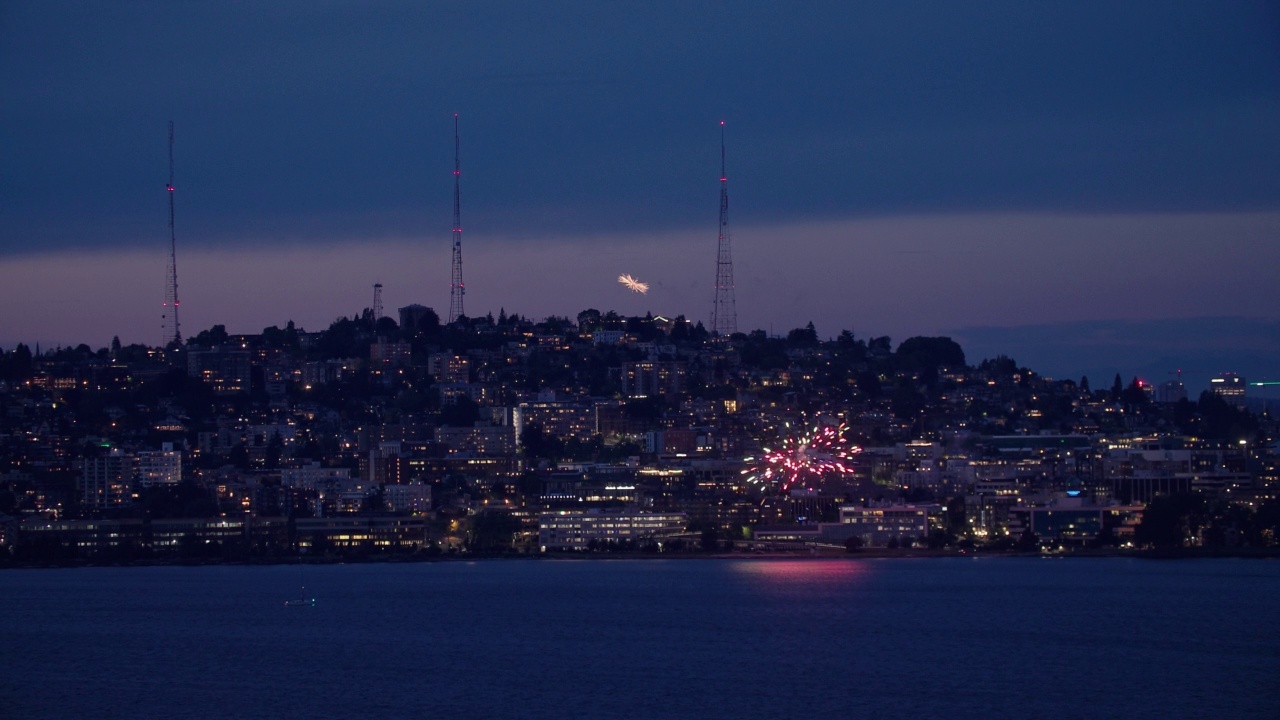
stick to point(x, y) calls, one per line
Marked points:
point(1088, 187)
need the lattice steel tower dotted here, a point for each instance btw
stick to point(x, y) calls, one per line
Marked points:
point(724, 314)
point(169, 320)
point(456, 288)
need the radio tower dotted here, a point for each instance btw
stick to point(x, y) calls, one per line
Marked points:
point(377, 302)
point(456, 289)
point(172, 333)
point(724, 315)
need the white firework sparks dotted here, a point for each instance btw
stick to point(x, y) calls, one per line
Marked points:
point(633, 284)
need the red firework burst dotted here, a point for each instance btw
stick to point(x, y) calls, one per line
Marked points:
point(803, 457)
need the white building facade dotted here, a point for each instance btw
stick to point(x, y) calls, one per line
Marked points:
point(576, 529)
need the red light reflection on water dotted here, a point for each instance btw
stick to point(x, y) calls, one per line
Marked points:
point(792, 573)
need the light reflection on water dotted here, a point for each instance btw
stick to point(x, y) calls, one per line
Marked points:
point(790, 575)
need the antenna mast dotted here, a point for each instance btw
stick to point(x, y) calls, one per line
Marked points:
point(172, 333)
point(724, 314)
point(456, 289)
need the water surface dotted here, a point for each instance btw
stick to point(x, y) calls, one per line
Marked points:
point(955, 638)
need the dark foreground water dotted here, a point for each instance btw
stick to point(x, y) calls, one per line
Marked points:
point(744, 639)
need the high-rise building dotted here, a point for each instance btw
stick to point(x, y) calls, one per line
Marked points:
point(226, 371)
point(385, 464)
point(653, 377)
point(107, 480)
point(389, 353)
point(1171, 391)
point(1230, 387)
point(573, 420)
point(412, 317)
point(160, 467)
point(481, 440)
point(449, 368)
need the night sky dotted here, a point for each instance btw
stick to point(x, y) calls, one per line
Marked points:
point(1086, 186)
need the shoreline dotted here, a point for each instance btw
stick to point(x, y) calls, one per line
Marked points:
point(871, 554)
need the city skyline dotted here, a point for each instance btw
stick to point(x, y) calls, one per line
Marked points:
point(1010, 176)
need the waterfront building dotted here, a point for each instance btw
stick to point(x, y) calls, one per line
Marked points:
point(878, 525)
point(86, 537)
point(1072, 520)
point(575, 530)
point(357, 531)
point(901, 525)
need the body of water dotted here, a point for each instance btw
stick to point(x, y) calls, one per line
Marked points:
point(937, 638)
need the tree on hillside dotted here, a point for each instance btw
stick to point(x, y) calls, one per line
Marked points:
point(462, 412)
point(919, 353)
point(1223, 421)
point(999, 366)
point(16, 364)
point(214, 336)
point(1134, 396)
point(1171, 521)
point(286, 339)
point(880, 347)
point(385, 327)
point(806, 336)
